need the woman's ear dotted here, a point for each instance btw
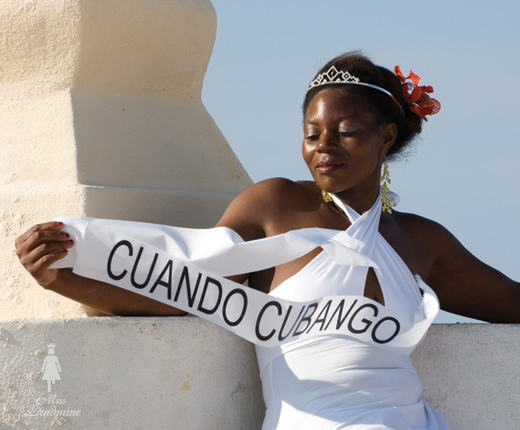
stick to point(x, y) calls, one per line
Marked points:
point(389, 135)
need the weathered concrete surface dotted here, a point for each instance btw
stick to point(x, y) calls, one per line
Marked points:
point(185, 373)
point(471, 374)
point(129, 373)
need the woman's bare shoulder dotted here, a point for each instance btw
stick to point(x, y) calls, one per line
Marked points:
point(267, 205)
point(420, 226)
point(281, 194)
point(282, 186)
point(428, 237)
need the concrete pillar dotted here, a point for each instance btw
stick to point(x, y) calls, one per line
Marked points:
point(101, 116)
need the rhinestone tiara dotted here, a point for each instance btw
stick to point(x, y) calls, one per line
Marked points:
point(335, 76)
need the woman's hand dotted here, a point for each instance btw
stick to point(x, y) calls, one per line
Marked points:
point(39, 247)
point(42, 245)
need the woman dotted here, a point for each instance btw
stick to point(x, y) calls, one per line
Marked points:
point(356, 116)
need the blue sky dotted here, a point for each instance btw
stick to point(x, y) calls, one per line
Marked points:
point(462, 171)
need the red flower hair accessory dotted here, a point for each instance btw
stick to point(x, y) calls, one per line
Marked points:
point(417, 96)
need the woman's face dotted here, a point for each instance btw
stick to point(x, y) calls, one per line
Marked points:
point(344, 143)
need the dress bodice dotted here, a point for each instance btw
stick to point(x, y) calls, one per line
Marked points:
point(336, 382)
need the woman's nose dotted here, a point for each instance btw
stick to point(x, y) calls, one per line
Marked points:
point(327, 141)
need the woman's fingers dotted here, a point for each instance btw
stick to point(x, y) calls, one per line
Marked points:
point(39, 231)
point(46, 250)
point(41, 246)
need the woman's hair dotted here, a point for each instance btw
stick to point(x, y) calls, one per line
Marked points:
point(408, 123)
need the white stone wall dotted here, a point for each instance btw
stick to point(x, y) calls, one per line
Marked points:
point(186, 373)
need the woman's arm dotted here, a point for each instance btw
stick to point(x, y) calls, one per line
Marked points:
point(465, 285)
point(42, 245)
point(108, 298)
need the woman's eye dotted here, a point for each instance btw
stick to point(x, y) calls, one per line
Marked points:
point(312, 137)
point(346, 132)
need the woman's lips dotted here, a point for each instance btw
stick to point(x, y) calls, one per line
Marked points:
point(326, 167)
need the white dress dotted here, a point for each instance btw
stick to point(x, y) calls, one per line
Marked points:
point(335, 382)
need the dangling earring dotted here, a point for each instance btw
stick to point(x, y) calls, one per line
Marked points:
point(325, 196)
point(385, 192)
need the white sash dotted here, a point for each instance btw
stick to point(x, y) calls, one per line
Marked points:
point(183, 268)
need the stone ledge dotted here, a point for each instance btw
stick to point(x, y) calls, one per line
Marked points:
point(130, 373)
point(186, 373)
point(470, 374)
